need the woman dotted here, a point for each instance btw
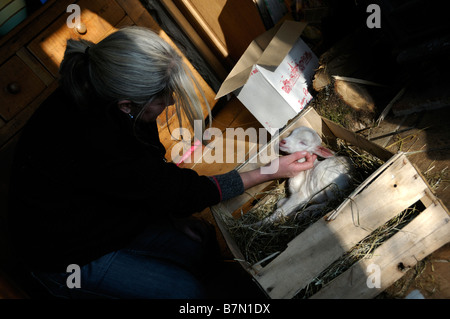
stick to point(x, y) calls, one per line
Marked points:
point(91, 187)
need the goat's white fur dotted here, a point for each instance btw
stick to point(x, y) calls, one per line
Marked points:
point(316, 186)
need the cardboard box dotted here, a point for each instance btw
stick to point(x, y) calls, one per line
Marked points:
point(384, 195)
point(273, 75)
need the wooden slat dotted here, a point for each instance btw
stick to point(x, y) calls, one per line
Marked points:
point(218, 41)
point(397, 188)
point(196, 39)
point(356, 139)
point(227, 26)
point(332, 215)
point(429, 198)
point(423, 235)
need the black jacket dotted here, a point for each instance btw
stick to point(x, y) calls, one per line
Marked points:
point(83, 185)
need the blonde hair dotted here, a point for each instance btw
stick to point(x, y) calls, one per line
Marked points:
point(134, 64)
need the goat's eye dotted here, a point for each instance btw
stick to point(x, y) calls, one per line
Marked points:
point(302, 143)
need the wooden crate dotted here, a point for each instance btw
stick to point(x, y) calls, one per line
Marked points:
point(391, 189)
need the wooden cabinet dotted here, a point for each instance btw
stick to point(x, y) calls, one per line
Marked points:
point(98, 17)
point(20, 86)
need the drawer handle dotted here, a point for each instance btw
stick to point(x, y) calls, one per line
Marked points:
point(13, 88)
point(81, 28)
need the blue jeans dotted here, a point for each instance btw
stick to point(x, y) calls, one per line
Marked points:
point(160, 263)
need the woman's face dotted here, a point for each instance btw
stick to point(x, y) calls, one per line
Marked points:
point(154, 108)
point(151, 110)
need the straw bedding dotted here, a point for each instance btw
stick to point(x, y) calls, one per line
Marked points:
point(260, 244)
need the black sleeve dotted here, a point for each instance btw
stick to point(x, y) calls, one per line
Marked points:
point(163, 187)
point(229, 184)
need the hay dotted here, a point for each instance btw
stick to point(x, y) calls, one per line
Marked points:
point(363, 250)
point(260, 244)
point(436, 179)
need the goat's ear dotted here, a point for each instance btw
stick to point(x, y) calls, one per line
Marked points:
point(323, 152)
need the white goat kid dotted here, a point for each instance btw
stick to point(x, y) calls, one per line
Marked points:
point(316, 186)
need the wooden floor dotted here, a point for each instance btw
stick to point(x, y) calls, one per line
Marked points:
point(229, 116)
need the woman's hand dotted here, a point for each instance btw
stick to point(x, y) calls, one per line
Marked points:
point(288, 166)
point(282, 167)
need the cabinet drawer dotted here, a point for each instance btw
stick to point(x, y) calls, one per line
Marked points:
point(19, 86)
point(99, 18)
